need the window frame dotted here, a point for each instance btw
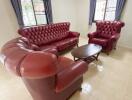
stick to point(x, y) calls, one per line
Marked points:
point(33, 8)
point(104, 11)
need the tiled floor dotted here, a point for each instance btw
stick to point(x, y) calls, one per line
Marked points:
point(108, 79)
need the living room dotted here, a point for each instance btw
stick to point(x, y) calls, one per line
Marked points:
point(106, 78)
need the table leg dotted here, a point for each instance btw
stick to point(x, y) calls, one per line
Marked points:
point(77, 45)
point(97, 56)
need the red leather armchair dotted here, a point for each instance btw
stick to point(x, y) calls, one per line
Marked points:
point(46, 76)
point(107, 34)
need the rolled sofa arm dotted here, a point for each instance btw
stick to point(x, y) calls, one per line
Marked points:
point(70, 74)
point(92, 34)
point(115, 37)
point(74, 34)
point(38, 65)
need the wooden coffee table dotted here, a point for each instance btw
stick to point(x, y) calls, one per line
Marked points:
point(89, 52)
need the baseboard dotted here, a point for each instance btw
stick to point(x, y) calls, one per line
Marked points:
point(125, 47)
point(85, 37)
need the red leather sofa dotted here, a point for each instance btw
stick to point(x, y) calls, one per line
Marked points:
point(107, 34)
point(46, 76)
point(53, 36)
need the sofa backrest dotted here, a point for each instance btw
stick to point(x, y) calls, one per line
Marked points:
point(45, 34)
point(108, 28)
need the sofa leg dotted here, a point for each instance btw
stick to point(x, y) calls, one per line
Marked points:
point(80, 89)
point(77, 45)
point(107, 53)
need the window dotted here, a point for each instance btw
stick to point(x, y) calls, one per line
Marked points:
point(33, 12)
point(105, 10)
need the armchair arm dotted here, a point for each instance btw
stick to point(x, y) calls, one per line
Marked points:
point(69, 75)
point(92, 34)
point(115, 37)
point(74, 34)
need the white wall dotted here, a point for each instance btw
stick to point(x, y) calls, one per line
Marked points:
point(74, 11)
point(65, 10)
point(8, 22)
point(126, 36)
point(82, 16)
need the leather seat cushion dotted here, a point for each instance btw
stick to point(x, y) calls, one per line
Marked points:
point(47, 47)
point(63, 44)
point(100, 41)
point(50, 49)
point(64, 63)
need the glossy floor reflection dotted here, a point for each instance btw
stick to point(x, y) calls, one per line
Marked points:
point(110, 78)
point(86, 88)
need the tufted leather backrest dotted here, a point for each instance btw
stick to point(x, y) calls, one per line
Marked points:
point(106, 29)
point(45, 34)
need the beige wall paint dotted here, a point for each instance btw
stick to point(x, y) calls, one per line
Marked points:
point(65, 10)
point(8, 22)
point(82, 16)
point(126, 36)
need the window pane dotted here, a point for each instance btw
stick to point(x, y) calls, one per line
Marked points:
point(38, 5)
point(39, 11)
point(100, 10)
point(41, 19)
point(111, 3)
point(28, 14)
point(110, 10)
point(110, 16)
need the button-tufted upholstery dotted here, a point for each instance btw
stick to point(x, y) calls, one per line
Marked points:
point(107, 33)
point(46, 76)
point(51, 34)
